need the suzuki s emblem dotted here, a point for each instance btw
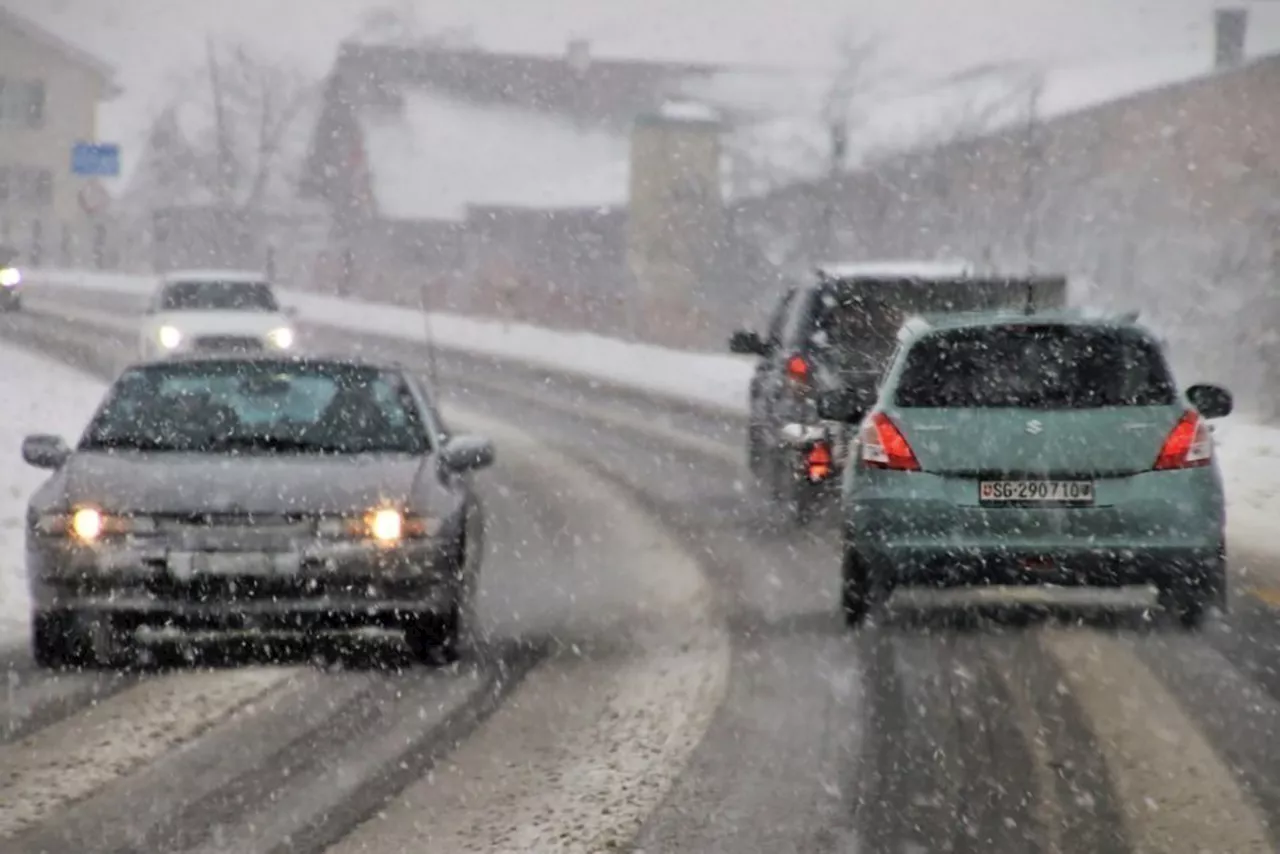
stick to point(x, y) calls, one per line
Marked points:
point(1034, 427)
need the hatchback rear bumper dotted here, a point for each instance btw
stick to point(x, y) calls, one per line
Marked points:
point(1164, 568)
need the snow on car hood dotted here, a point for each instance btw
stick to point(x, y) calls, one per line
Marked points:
point(249, 483)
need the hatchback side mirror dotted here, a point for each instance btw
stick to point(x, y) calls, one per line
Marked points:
point(467, 453)
point(747, 342)
point(1211, 401)
point(45, 451)
point(847, 405)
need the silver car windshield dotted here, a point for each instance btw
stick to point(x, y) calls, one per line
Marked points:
point(259, 407)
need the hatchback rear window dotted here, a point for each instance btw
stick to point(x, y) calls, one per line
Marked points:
point(1035, 367)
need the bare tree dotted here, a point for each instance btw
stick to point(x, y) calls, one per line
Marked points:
point(224, 138)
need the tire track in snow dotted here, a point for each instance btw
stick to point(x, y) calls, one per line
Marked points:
point(70, 760)
point(585, 749)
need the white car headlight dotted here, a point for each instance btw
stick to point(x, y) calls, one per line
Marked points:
point(281, 338)
point(169, 337)
point(10, 277)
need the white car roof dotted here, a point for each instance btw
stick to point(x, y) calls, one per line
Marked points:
point(898, 269)
point(212, 275)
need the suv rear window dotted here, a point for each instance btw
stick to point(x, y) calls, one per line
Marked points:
point(218, 296)
point(853, 331)
point(1035, 367)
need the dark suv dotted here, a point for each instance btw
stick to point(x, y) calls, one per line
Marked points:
point(835, 333)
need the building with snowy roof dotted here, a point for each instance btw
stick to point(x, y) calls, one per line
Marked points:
point(50, 90)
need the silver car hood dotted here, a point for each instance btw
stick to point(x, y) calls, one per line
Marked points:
point(250, 483)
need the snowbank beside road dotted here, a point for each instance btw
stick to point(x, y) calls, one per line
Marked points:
point(1250, 453)
point(708, 379)
point(38, 396)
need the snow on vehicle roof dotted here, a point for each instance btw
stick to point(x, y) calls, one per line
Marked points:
point(897, 269)
point(688, 111)
point(442, 154)
point(212, 275)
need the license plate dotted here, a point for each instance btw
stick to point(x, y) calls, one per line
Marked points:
point(186, 565)
point(1035, 491)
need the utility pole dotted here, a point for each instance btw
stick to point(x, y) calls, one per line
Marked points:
point(1033, 156)
point(222, 188)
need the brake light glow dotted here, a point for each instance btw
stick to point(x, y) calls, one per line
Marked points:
point(798, 369)
point(1189, 445)
point(819, 462)
point(884, 446)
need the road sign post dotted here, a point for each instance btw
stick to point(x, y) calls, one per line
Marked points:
point(95, 159)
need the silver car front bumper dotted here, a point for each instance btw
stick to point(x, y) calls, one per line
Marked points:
point(332, 583)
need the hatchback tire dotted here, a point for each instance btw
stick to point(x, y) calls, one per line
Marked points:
point(855, 590)
point(1190, 605)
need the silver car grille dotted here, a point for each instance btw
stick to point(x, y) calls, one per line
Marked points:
point(234, 532)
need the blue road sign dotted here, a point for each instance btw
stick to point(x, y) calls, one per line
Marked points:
point(99, 159)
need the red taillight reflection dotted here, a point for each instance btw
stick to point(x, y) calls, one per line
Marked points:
point(1189, 445)
point(884, 446)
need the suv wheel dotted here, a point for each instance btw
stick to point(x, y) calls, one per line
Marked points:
point(433, 638)
point(53, 646)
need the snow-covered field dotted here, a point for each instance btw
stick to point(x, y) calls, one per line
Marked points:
point(38, 396)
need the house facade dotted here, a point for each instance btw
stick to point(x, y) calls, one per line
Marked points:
point(49, 94)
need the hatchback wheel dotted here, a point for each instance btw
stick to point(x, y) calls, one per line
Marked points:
point(855, 598)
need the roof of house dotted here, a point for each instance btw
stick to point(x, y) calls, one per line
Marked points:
point(10, 19)
point(597, 91)
point(441, 154)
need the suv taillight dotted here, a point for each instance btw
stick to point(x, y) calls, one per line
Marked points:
point(884, 446)
point(798, 369)
point(1189, 445)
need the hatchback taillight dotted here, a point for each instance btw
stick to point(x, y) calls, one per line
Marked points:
point(884, 446)
point(1189, 445)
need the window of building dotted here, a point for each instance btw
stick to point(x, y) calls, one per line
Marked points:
point(22, 103)
point(26, 185)
point(35, 103)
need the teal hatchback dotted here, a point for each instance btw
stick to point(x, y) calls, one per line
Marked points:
point(1009, 449)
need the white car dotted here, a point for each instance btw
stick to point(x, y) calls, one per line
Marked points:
point(215, 311)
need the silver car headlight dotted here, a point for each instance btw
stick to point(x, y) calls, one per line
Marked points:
point(385, 526)
point(281, 338)
point(89, 524)
point(169, 337)
point(10, 277)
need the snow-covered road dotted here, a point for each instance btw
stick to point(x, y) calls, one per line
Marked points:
point(908, 736)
